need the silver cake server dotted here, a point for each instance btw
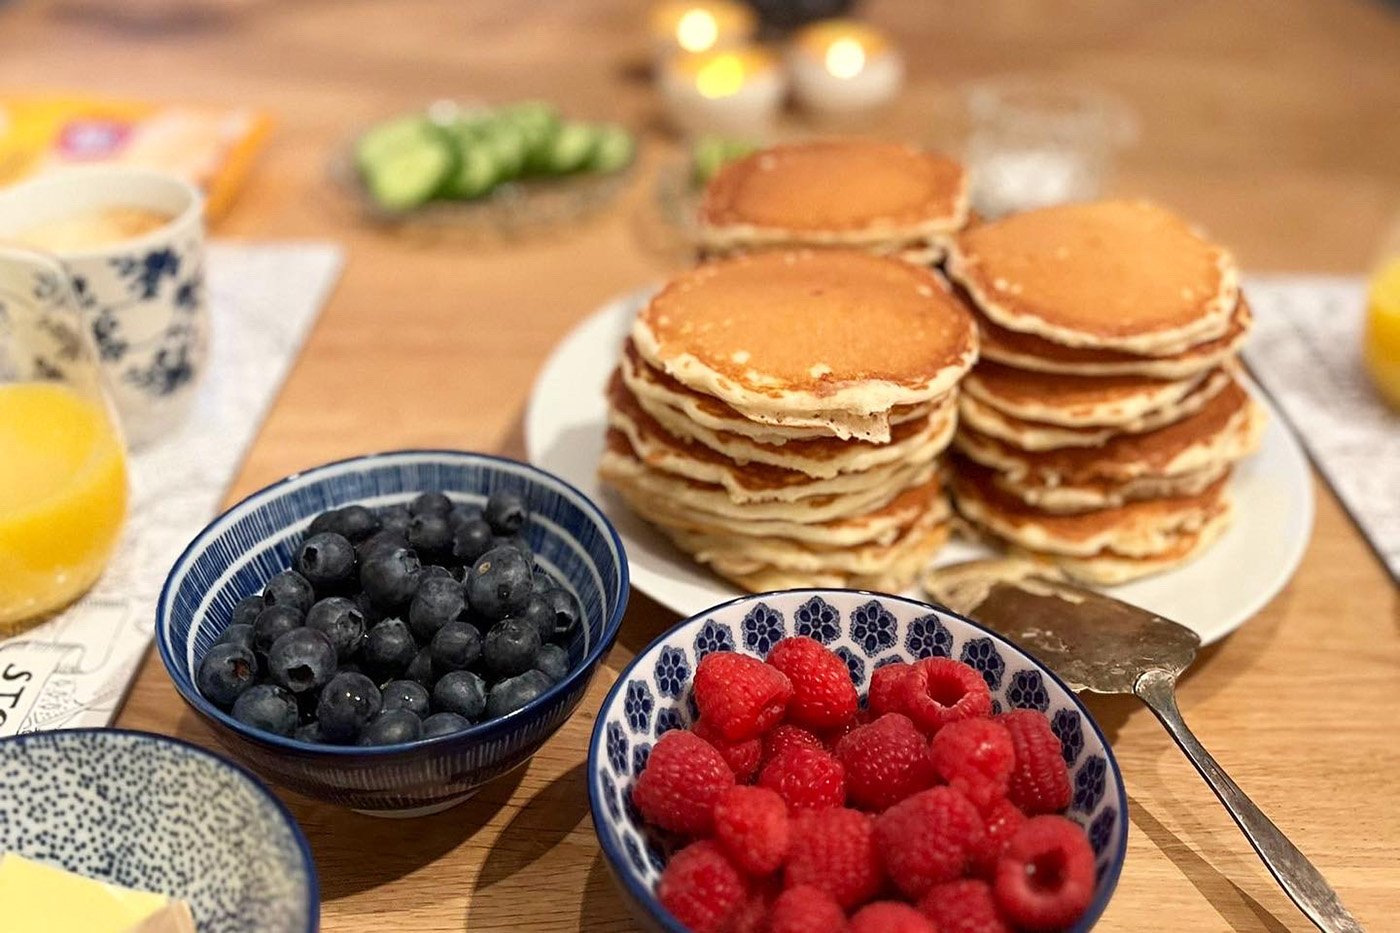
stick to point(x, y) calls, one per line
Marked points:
point(1097, 643)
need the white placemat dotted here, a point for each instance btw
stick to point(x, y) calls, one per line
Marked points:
point(74, 670)
point(1306, 351)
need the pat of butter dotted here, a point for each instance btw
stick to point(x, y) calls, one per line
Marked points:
point(39, 898)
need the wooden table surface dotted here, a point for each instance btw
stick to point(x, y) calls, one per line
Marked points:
point(1275, 123)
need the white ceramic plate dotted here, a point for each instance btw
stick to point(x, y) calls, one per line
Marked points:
point(1214, 594)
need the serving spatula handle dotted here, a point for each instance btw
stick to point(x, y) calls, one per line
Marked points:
point(1291, 869)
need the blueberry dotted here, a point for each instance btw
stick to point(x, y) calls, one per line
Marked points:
point(510, 647)
point(429, 534)
point(539, 613)
point(389, 647)
point(543, 581)
point(505, 512)
point(455, 647)
point(225, 671)
point(405, 694)
point(567, 611)
point(392, 727)
point(310, 732)
point(274, 622)
point(378, 542)
point(438, 601)
point(430, 503)
point(444, 724)
point(519, 543)
point(553, 662)
point(499, 583)
point(236, 634)
point(267, 707)
point(471, 539)
point(434, 570)
point(347, 704)
point(302, 660)
point(420, 669)
point(395, 519)
point(340, 620)
point(512, 693)
point(460, 692)
point(290, 589)
point(462, 512)
point(390, 577)
point(245, 611)
point(326, 560)
point(373, 613)
point(354, 522)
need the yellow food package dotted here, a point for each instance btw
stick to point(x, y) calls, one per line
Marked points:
point(211, 146)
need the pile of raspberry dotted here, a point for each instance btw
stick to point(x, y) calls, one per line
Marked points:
point(805, 812)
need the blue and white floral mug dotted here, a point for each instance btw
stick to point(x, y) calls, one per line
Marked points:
point(143, 295)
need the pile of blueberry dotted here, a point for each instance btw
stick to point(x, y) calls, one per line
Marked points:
point(375, 637)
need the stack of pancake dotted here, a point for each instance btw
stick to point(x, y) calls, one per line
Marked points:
point(880, 197)
point(1100, 428)
point(779, 415)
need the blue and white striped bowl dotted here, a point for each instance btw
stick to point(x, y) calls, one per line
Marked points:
point(868, 630)
point(256, 539)
point(158, 814)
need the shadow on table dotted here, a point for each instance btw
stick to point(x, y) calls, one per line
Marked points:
point(1240, 909)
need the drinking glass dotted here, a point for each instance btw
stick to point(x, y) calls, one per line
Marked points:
point(1034, 143)
point(63, 477)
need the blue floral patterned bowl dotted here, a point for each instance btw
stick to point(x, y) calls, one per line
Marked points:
point(256, 539)
point(151, 812)
point(867, 630)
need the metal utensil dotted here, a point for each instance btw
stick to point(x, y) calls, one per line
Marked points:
point(1097, 643)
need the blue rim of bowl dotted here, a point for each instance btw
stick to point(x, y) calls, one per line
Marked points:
point(484, 730)
point(313, 881)
point(642, 894)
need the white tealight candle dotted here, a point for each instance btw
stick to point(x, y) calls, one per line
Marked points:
point(844, 65)
point(691, 26)
point(734, 91)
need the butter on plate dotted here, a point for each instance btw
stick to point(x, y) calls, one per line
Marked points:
point(39, 898)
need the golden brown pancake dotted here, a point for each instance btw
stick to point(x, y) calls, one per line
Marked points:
point(1125, 275)
point(1027, 351)
point(1091, 495)
point(853, 192)
point(1073, 401)
point(1225, 429)
point(832, 338)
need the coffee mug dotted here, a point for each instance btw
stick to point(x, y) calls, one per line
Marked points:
point(142, 294)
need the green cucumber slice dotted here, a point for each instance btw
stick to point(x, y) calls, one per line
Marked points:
point(476, 175)
point(614, 149)
point(570, 149)
point(407, 177)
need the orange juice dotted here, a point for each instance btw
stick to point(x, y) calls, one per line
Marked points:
point(1382, 347)
point(62, 497)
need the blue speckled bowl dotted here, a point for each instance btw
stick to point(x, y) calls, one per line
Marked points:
point(155, 813)
point(256, 539)
point(867, 630)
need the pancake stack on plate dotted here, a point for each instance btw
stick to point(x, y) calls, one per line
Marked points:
point(780, 414)
point(880, 197)
point(1100, 428)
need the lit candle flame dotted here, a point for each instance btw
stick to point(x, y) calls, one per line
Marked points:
point(697, 31)
point(845, 58)
point(722, 76)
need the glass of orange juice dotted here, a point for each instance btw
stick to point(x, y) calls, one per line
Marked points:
point(63, 478)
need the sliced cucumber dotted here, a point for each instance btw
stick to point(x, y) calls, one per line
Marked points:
point(570, 150)
point(536, 119)
point(476, 174)
point(614, 149)
point(408, 176)
point(508, 144)
point(390, 136)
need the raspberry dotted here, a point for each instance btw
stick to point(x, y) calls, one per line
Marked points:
point(965, 906)
point(890, 917)
point(1000, 822)
point(1040, 780)
point(927, 839)
point(683, 778)
point(806, 779)
point(832, 736)
point(751, 823)
point(742, 757)
point(702, 888)
point(751, 916)
point(886, 693)
point(976, 757)
point(788, 736)
point(939, 691)
point(741, 696)
point(805, 909)
point(834, 850)
point(885, 762)
point(1045, 879)
point(823, 696)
